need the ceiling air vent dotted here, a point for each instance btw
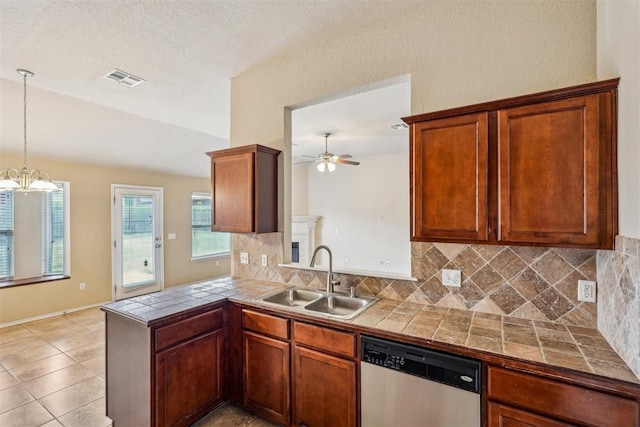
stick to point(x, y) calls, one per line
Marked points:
point(399, 126)
point(124, 78)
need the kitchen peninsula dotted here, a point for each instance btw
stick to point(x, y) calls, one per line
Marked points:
point(198, 327)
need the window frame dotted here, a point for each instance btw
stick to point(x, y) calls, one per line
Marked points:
point(47, 230)
point(210, 255)
point(66, 271)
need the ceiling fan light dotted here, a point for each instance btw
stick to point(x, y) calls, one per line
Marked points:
point(326, 166)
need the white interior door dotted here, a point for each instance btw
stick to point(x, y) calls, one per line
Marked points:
point(137, 252)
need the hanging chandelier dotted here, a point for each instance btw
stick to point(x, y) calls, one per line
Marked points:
point(25, 180)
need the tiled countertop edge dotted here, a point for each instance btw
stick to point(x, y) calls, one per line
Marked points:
point(545, 343)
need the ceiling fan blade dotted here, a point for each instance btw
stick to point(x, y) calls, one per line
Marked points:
point(342, 156)
point(311, 157)
point(303, 163)
point(346, 162)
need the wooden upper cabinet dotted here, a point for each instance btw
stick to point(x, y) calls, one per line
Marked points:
point(553, 173)
point(537, 170)
point(244, 184)
point(449, 179)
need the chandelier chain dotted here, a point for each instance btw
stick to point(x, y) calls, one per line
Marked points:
point(24, 158)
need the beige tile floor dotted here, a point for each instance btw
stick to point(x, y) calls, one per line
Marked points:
point(52, 373)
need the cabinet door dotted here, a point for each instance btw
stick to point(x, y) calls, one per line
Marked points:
point(232, 181)
point(505, 416)
point(324, 390)
point(449, 175)
point(266, 364)
point(189, 380)
point(554, 161)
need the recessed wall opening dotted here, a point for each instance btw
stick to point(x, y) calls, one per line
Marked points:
point(362, 200)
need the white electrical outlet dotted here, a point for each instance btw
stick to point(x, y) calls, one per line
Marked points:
point(451, 278)
point(586, 290)
point(264, 260)
point(83, 286)
point(244, 258)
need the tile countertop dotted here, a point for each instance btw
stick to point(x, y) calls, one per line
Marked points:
point(573, 347)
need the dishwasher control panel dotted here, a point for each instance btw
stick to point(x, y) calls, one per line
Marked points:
point(433, 365)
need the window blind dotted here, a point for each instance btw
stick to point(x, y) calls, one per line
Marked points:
point(53, 232)
point(6, 235)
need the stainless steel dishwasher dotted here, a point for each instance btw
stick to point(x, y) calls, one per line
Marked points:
point(407, 386)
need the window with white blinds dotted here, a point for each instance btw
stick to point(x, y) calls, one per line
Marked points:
point(204, 242)
point(6, 235)
point(34, 234)
point(53, 232)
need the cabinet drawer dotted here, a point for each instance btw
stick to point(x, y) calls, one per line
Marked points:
point(327, 340)
point(172, 334)
point(559, 400)
point(500, 415)
point(266, 324)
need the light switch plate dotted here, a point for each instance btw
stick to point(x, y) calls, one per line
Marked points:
point(451, 278)
point(264, 260)
point(244, 258)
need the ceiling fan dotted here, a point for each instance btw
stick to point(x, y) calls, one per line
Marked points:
point(327, 161)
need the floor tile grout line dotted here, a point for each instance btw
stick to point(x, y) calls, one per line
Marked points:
point(74, 359)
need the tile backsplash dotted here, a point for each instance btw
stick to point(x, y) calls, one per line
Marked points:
point(619, 301)
point(527, 282)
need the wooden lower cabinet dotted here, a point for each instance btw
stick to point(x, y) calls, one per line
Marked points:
point(505, 416)
point(170, 372)
point(189, 380)
point(546, 402)
point(266, 364)
point(297, 373)
point(324, 389)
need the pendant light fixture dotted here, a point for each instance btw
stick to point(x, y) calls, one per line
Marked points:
point(25, 180)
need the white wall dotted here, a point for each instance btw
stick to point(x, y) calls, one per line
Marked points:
point(619, 55)
point(299, 189)
point(365, 213)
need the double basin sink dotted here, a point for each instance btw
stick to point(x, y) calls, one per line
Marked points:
point(318, 302)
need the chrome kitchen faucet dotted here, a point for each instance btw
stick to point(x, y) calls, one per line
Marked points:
point(330, 281)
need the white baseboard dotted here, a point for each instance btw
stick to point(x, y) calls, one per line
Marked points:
point(56, 313)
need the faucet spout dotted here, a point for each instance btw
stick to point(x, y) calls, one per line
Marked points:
point(330, 281)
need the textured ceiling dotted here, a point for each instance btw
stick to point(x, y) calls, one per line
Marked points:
point(187, 50)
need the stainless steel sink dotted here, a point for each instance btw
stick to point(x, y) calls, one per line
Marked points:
point(340, 306)
point(319, 303)
point(293, 297)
